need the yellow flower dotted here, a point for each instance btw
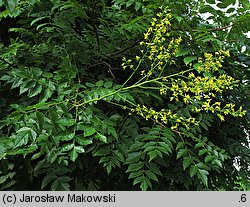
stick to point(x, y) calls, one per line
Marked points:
point(174, 127)
point(221, 117)
point(227, 53)
point(164, 78)
point(186, 98)
point(146, 35)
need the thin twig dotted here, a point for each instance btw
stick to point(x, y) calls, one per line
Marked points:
point(101, 62)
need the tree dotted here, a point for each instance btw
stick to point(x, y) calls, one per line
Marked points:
point(118, 95)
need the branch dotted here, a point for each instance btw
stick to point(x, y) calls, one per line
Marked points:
point(125, 49)
point(101, 62)
point(215, 29)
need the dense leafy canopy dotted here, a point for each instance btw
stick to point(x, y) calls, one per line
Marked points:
point(122, 95)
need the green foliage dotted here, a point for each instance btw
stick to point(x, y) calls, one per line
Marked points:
point(121, 95)
point(7, 174)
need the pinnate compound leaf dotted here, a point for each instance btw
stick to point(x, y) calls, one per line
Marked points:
point(138, 180)
point(135, 167)
point(154, 168)
point(118, 155)
point(193, 170)
point(88, 130)
point(3, 179)
point(73, 155)
point(23, 135)
point(133, 157)
point(35, 91)
point(81, 140)
point(102, 151)
point(180, 145)
point(67, 147)
point(11, 4)
point(144, 184)
point(135, 174)
point(187, 162)
point(65, 136)
point(138, 5)
point(101, 137)
point(209, 158)
point(151, 175)
point(152, 155)
point(202, 175)
point(202, 152)
point(47, 179)
point(79, 149)
point(181, 153)
point(109, 168)
point(66, 122)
